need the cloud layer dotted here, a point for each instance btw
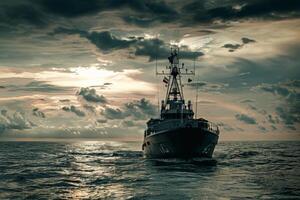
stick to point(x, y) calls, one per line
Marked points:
point(86, 68)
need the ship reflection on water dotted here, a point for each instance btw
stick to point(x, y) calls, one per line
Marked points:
point(115, 170)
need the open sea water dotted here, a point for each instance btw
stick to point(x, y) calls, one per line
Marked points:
point(117, 170)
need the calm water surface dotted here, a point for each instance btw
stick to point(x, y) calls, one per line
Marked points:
point(115, 170)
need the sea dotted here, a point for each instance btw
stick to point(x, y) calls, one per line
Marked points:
point(117, 170)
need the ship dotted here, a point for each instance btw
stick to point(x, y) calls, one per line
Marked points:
point(178, 133)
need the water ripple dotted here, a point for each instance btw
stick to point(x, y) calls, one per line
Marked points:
point(114, 170)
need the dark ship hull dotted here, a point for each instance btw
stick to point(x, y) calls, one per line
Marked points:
point(180, 143)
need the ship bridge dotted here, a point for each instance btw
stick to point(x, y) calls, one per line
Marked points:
point(176, 110)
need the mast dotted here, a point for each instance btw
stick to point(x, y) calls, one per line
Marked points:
point(174, 98)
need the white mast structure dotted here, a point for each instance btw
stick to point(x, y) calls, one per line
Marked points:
point(174, 99)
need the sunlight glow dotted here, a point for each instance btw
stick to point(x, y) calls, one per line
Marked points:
point(124, 81)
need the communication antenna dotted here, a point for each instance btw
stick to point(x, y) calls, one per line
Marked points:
point(197, 101)
point(158, 107)
point(194, 64)
point(197, 85)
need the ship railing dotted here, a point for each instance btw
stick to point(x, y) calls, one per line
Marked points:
point(213, 128)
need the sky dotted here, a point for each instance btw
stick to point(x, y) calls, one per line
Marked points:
point(86, 69)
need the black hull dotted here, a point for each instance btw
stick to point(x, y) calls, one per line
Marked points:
point(180, 143)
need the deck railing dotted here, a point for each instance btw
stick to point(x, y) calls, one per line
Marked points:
point(213, 128)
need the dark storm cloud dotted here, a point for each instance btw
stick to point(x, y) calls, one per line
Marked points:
point(137, 110)
point(158, 49)
point(74, 8)
point(247, 101)
point(245, 118)
point(131, 123)
point(226, 127)
point(266, 70)
point(153, 11)
point(44, 12)
point(15, 121)
point(272, 120)
point(207, 87)
point(112, 113)
point(247, 40)
point(263, 129)
point(22, 14)
point(75, 110)
point(252, 107)
point(101, 121)
point(205, 11)
point(107, 42)
point(233, 47)
point(36, 112)
point(142, 108)
point(89, 94)
point(89, 108)
point(144, 12)
point(37, 86)
point(128, 123)
point(288, 117)
point(65, 100)
point(139, 20)
point(71, 8)
point(289, 111)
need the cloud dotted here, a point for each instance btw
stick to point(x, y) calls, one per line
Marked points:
point(113, 113)
point(36, 112)
point(140, 109)
point(233, 47)
point(153, 48)
point(247, 101)
point(157, 49)
point(225, 127)
point(252, 107)
point(101, 121)
point(37, 86)
point(263, 129)
point(64, 100)
point(104, 40)
point(156, 11)
point(262, 70)
point(245, 118)
point(22, 14)
point(75, 8)
point(91, 95)
point(238, 10)
point(107, 42)
point(71, 8)
point(136, 110)
point(74, 109)
point(15, 121)
point(132, 123)
point(139, 20)
point(292, 83)
point(128, 123)
point(289, 111)
point(289, 118)
point(207, 86)
point(247, 40)
point(89, 108)
point(272, 120)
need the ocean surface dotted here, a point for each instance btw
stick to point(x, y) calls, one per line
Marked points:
point(117, 170)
